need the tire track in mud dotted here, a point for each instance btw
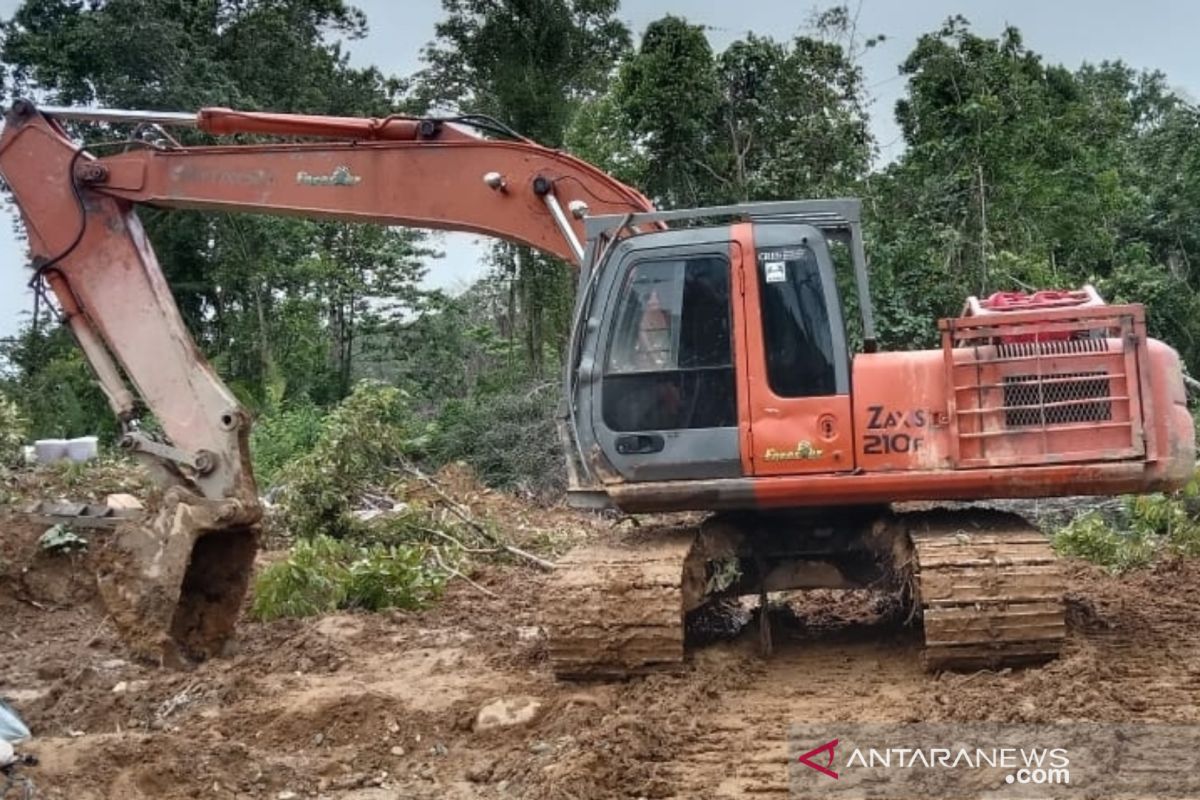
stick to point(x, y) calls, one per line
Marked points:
point(741, 747)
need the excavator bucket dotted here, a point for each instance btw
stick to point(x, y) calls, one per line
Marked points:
point(174, 582)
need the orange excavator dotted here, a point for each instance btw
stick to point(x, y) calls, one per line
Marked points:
point(709, 368)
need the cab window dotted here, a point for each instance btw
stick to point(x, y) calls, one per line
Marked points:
point(797, 333)
point(670, 364)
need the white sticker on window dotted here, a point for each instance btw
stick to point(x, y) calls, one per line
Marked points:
point(775, 271)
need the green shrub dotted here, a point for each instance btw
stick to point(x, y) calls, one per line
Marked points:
point(311, 580)
point(1175, 518)
point(282, 437)
point(359, 442)
point(323, 574)
point(1147, 526)
point(393, 577)
point(1092, 538)
point(510, 439)
point(1164, 516)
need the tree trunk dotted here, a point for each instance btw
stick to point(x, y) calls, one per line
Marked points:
point(983, 233)
point(264, 339)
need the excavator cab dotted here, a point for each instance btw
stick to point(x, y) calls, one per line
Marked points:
point(713, 352)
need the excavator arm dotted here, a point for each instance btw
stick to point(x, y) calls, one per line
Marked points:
point(175, 583)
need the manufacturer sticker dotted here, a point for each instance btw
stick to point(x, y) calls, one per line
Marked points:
point(804, 452)
point(784, 254)
point(341, 176)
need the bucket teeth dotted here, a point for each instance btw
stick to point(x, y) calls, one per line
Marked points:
point(989, 588)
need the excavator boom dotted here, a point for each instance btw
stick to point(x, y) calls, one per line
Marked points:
point(86, 242)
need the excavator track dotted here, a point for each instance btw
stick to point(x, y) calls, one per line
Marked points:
point(989, 590)
point(617, 610)
point(986, 585)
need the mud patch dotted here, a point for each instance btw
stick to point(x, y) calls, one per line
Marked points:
point(839, 612)
point(33, 576)
point(356, 706)
point(717, 620)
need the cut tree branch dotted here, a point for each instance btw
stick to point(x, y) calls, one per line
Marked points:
point(437, 556)
point(458, 511)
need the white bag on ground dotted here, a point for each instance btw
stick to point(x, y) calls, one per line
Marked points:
point(12, 729)
point(83, 449)
point(50, 451)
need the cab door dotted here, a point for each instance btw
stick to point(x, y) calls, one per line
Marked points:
point(663, 400)
point(797, 364)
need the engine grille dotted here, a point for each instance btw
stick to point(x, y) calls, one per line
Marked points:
point(1059, 399)
point(1052, 347)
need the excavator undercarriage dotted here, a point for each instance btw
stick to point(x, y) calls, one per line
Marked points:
point(984, 585)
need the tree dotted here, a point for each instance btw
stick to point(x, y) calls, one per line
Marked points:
point(529, 63)
point(795, 119)
point(1018, 174)
point(46, 378)
point(762, 120)
point(668, 96)
point(273, 302)
point(368, 277)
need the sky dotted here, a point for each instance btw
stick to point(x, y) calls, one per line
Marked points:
point(1155, 34)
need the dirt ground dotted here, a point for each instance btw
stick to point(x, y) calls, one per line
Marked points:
point(375, 706)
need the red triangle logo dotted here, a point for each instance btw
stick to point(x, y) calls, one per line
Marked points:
point(828, 749)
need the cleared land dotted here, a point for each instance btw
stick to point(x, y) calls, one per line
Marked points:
point(386, 705)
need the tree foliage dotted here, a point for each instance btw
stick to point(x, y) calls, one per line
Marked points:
point(526, 62)
point(530, 63)
point(1017, 174)
point(47, 378)
point(323, 574)
point(273, 302)
point(762, 120)
point(357, 444)
point(13, 430)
